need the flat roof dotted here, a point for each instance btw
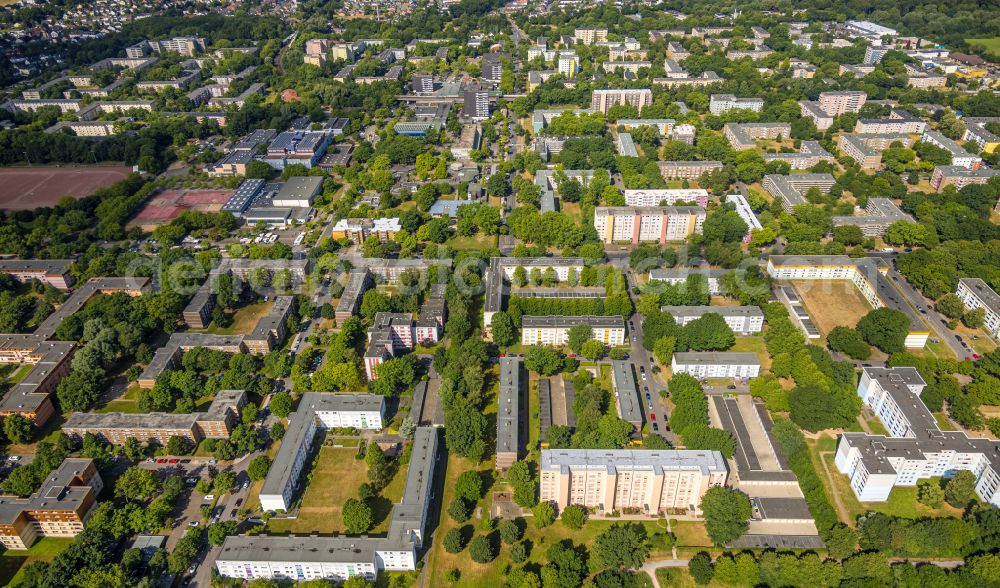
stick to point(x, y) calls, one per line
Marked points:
point(508, 405)
point(720, 310)
point(716, 358)
point(626, 392)
point(612, 460)
point(566, 322)
point(981, 289)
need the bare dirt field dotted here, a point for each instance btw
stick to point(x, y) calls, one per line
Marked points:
point(27, 188)
point(832, 303)
point(168, 205)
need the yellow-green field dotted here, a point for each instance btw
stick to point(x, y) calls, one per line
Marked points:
point(991, 44)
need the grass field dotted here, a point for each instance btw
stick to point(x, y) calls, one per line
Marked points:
point(832, 303)
point(127, 402)
point(244, 319)
point(12, 562)
point(335, 478)
point(991, 44)
point(754, 345)
point(676, 577)
point(476, 242)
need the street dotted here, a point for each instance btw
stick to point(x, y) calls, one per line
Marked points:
point(649, 382)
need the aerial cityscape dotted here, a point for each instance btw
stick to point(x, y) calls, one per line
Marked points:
point(499, 294)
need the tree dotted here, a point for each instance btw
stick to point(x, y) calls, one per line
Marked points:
point(218, 532)
point(502, 329)
point(700, 567)
point(137, 484)
point(459, 510)
point(453, 541)
point(960, 489)
point(577, 336)
point(224, 481)
point(930, 494)
point(258, 467)
point(849, 342)
point(622, 546)
point(379, 468)
point(519, 553)
point(574, 516)
point(592, 350)
point(727, 514)
point(975, 318)
point(520, 478)
point(544, 513)
point(950, 305)
point(543, 360)
point(480, 549)
point(885, 328)
point(17, 428)
point(358, 516)
point(709, 333)
point(469, 486)
point(281, 404)
point(510, 531)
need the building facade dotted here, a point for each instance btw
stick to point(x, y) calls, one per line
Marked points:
point(638, 224)
point(705, 365)
point(554, 330)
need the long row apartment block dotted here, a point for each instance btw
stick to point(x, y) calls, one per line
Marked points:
point(158, 427)
point(867, 149)
point(59, 508)
point(791, 189)
point(339, 558)
point(626, 394)
point(975, 293)
point(810, 153)
point(960, 177)
point(866, 273)
point(879, 214)
point(743, 320)
point(743, 136)
point(501, 270)
point(642, 224)
point(716, 364)
point(687, 170)
point(509, 404)
point(641, 480)
point(915, 447)
point(554, 330)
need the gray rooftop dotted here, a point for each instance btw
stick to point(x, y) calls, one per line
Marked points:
point(626, 393)
point(613, 460)
point(508, 405)
point(987, 295)
point(716, 358)
point(677, 311)
point(566, 322)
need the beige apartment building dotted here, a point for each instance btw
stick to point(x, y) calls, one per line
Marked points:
point(687, 170)
point(590, 36)
point(836, 103)
point(641, 480)
point(602, 100)
point(58, 509)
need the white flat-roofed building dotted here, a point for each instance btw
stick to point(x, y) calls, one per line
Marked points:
point(977, 133)
point(821, 118)
point(879, 214)
point(867, 149)
point(357, 411)
point(745, 135)
point(746, 213)
point(743, 320)
point(590, 36)
point(640, 224)
point(554, 330)
point(501, 270)
point(791, 189)
point(866, 28)
point(898, 121)
point(663, 125)
point(687, 170)
point(959, 156)
point(666, 197)
point(915, 448)
point(975, 293)
point(652, 481)
point(679, 275)
point(810, 153)
point(874, 54)
point(720, 103)
point(716, 364)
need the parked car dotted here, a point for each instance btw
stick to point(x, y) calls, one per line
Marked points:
point(209, 497)
point(656, 427)
point(652, 416)
point(193, 524)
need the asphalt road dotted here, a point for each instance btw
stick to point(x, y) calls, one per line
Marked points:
point(934, 320)
point(653, 384)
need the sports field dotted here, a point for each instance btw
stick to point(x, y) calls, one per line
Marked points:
point(832, 303)
point(27, 188)
point(165, 206)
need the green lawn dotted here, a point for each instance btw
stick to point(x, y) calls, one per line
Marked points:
point(943, 423)
point(12, 562)
point(992, 44)
point(675, 577)
point(754, 345)
point(475, 242)
point(244, 319)
point(19, 374)
point(127, 402)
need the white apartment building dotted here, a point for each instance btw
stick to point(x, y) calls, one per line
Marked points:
point(650, 481)
point(356, 411)
point(283, 478)
point(590, 36)
point(716, 364)
point(666, 197)
point(959, 156)
point(743, 320)
point(867, 274)
point(976, 293)
point(746, 213)
point(720, 103)
point(639, 224)
point(916, 448)
point(501, 270)
point(554, 330)
point(602, 100)
point(568, 64)
point(680, 275)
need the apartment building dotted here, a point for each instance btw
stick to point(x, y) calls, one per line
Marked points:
point(879, 214)
point(837, 103)
point(898, 122)
point(476, 104)
point(31, 397)
point(924, 79)
point(186, 46)
point(343, 411)
point(975, 293)
point(590, 36)
point(433, 312)
point(391, 333)
point(272, 328)
point(867, 149)
point(874, 54)
point(666, 197)
point(810, 153)
point(662, 125)
point(357, 230)
point(866, 273)
point(791, 189)
point(158, 427)
point(743, 320)
point(554, 330)
point(509, 413)
point(742, 207)
point(638, 224)
point(716, 364)
point(602, 100)
point(687, 170)
point(959, 156)
point(682, 78)
point(54, 272)
point(633, 480)
point(59, 508)
point(339, 558)
point(745, 135)
point(915, 448)
point(977, 133)
point(954, 175)
point(677, 52)
point(631, 67)
point(720, 103)
point(820, 118)
point(675, 276)
point(627, 400)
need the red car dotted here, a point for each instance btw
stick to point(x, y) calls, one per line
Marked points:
point(161, 460)
point(652, 416)
point(175, 460)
